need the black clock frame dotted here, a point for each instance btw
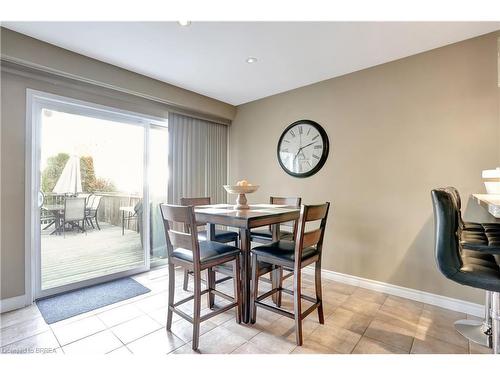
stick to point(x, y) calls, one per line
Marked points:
point(324, 155)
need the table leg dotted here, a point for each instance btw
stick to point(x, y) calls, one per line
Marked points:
point(245, 272)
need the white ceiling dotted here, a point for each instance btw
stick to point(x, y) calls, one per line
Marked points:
point(209, 57)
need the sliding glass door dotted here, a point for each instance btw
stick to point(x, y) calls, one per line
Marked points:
point(100, 176)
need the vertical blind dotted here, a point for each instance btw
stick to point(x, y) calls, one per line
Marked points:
point(197, 159)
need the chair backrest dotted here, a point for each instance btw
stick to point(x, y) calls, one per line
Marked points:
point(74, 209)
point(96, 202)
point(184, 216)
point(455, 195)
point(293, 202)
point(446, 227)
point(90, 200)
point(314, 237)
point(203, 201)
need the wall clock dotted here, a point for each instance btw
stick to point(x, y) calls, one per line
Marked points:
point(303, 148)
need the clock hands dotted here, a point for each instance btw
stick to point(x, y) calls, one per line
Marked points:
point(301, 148)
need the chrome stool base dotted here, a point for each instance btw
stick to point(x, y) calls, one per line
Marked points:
point(475, 330)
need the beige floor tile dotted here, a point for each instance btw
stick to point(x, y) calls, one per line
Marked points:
point(121, 351)
point(135, 328)
point(19, 316)
point(185, 349)
point(313, 347)
point(404, 305)
point(184, 330)
point(390, 315)
point(99, 343)
point(272, 344)
point(390, 334)
point(370, 295)
point(247, 331)
point(479, 349)
point(338, 339)
point(439, 314)
point(42, 343)
point(349, 320)
point(249, 348)
point(338, 287)
point(434, 346)
point(119, 315)
point(334, 298)
point(22, 330)
point(441, 330)
point(160, 315)
point(153, 302)
point(158, 342)
point(76, 330)
point(219, 341)
point(285, 328)
point(361, 306)
point(369, 346)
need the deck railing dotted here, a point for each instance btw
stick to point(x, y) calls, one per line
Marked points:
point(109, 208)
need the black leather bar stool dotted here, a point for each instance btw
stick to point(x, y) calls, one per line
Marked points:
point(222, 236)
point(184, 249)
point(462, 266)
point(471, 235)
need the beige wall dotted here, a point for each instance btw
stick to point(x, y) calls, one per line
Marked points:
point(396, 131)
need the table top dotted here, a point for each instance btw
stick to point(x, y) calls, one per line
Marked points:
point(489, 201)
point(53, 207)
point(257, 215)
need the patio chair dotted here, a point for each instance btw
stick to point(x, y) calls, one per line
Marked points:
point(74, 212)
point(92, 210)
point(130, 213)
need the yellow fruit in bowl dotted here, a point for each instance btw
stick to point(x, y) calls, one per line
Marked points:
point(243, 183)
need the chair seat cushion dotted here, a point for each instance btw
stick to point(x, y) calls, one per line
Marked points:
point(209, 251)
point(283, 250)
point(220, 235)
point(266, 234)
point(479, 271)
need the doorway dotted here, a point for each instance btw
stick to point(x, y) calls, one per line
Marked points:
point(98, 174)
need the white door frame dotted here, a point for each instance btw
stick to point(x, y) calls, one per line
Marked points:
point(35, 101)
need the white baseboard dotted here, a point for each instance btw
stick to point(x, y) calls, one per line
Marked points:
point(9, 304)
point(413, 294)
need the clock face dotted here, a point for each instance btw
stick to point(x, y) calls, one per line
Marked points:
point(303, 148)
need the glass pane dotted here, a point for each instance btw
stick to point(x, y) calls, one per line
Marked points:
point(158, 183)
point(92, 184)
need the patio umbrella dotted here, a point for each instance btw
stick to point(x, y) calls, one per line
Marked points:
point(70, 180)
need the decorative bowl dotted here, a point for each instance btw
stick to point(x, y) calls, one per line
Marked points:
point(241, 201)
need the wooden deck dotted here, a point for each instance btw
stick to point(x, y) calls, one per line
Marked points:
point(79, 256)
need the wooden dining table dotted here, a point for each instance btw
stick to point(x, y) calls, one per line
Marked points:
point(258, 215)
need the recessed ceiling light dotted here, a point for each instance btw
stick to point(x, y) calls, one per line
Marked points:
point(184, 23)
point(251, 60)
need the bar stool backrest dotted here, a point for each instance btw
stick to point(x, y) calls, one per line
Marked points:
point(293, 202)
point(183, 215)
point(304, 239)
point(196, 202)
point(446, 225)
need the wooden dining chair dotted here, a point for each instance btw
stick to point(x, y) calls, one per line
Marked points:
point(184, 249)
point(264, 235)
point(223, 236)
point(294, 255)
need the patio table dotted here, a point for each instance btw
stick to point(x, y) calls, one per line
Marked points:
point(258, 215)
point(56, 210)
